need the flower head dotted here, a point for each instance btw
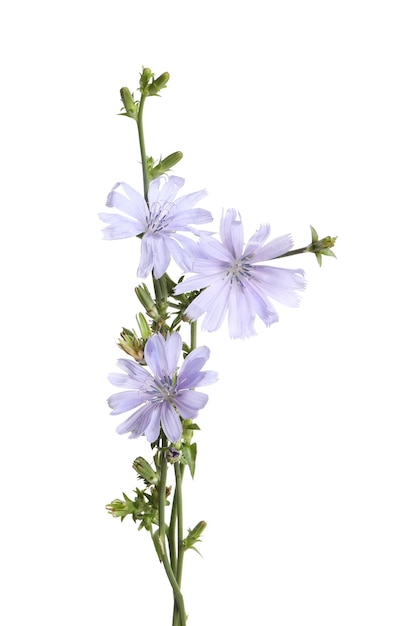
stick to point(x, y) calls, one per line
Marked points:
point(158, 222)
point(163, 396)
point(234, 282)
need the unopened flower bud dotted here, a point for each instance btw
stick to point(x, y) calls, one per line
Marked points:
point(147, 301)
point(165, 165)
point(145, 77)
point(144, 327)
point(158, 84)
point(121, 508)
point(145, 471)
point(173, 455)
point(129, 103)
point(194, 535)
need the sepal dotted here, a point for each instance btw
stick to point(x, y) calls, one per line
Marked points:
point(321, 246)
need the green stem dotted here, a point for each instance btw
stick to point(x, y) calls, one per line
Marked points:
point(179, 600)
point(292, 252)
point(180, 531)
point(177, 511)
point(194, 328)
point(172, 540)
point(143, 147)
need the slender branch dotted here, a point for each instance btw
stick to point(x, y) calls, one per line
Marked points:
point(194, 328)
point(172, 540)
point(143, 147)
point(180, 532)
point(292, 252)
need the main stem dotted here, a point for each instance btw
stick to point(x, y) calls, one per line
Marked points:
point(177, 560)
point(179, 600)
point(179, 608)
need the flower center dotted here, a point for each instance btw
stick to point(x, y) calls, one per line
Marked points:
point(163, 390)
point(240, 271)
point(159, 216)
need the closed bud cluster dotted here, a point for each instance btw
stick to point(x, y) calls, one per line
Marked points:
point(150, 86)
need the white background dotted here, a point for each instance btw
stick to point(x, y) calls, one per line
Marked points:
point(291, 112)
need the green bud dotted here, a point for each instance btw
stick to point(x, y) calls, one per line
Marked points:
point(147, 301)
point(194, 536)
point(161, 167)
point(321, 246)
point(158, 84)
point(129, 104)
point(121, 508)
point(145, 471)
point(144, 327)
point(145, 77)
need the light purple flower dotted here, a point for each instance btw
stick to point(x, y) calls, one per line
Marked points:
point(162, 396)
point(235, 283)
point(158, 221)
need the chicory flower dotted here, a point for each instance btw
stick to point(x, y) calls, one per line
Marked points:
point(162, 396)
point(235, 282)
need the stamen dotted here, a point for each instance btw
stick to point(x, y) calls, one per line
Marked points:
point(159, 216)
point(240, 271)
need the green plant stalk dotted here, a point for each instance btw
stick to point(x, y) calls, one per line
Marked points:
point(176, 521)
point(143, 147)
point(180, 532)
point(292, 252)
point(179, 616)
point(178, 598)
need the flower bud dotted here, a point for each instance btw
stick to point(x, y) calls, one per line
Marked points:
point(121, 508)
point(144, 327)
point(145, 471)
point(194, 535)
point(145, 77)
point(147, 301)
point(173, 455)
point(158, 84)
point(129, 104)
point(165, 165)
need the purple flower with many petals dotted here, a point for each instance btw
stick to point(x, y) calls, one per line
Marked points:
point(158, 221)
point(234, 281)
point(163, 396)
